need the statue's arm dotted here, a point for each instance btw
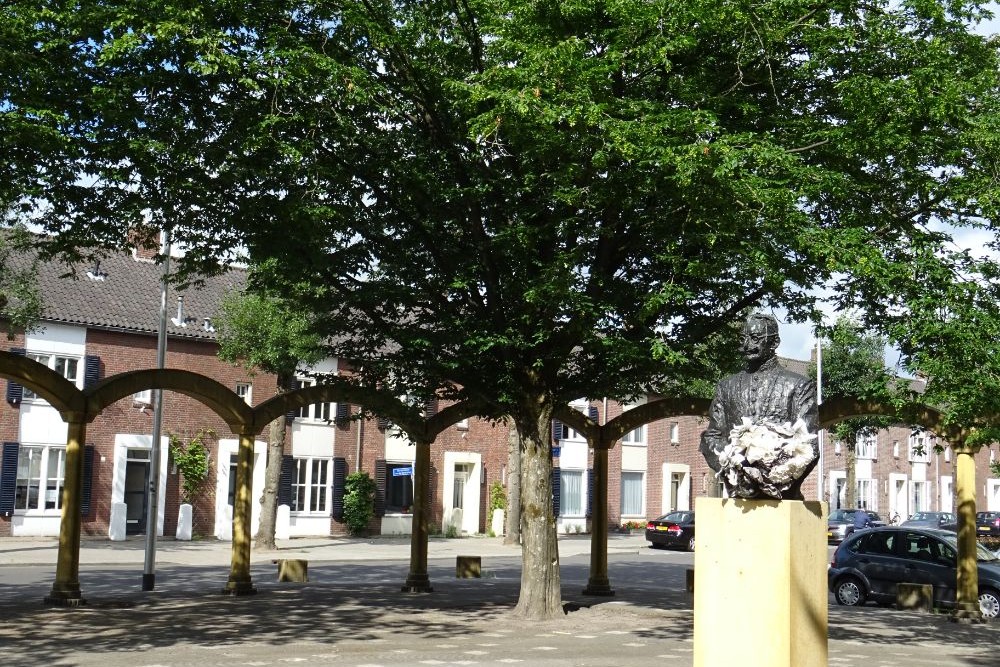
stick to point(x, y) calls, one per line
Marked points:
point(716, 434)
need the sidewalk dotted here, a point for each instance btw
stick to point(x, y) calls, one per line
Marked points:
point(97, 551)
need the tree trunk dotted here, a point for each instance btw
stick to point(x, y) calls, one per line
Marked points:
point(272, 478)
point(512, 521)
point(851, 482)
point(541, 595)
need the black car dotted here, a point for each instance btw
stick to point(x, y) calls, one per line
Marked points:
point(869, 564)
point(929, 520)
point(673, 529)
point(988, 523)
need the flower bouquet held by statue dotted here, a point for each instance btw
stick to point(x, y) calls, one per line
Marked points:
point(763, 459)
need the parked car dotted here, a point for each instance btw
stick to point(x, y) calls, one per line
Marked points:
point(929, 519)
point(841, 523)
point(673, 529)
point(869, 564)
point(988, 523)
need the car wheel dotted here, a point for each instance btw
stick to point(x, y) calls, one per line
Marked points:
point(691, 544)
point(850, 592)
point(989, 603)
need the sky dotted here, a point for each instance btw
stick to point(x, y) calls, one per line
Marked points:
point(797, 340)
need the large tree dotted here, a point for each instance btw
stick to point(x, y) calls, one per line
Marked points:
point(521, 203)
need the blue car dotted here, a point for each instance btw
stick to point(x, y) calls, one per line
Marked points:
point(869, 564)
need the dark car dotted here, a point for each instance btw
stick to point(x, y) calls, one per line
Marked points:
point(929, 519)
point(673, 529)
point(842, 523)
point(869, 564)
point(988, 523)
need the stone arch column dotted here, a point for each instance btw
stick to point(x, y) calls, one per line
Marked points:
point(598, 582)
point(66, 588)
point(240, 582)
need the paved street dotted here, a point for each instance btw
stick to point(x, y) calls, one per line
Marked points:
point(352, 614)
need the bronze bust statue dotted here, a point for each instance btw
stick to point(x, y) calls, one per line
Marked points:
point(761, 435)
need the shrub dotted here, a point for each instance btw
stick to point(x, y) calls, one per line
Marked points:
point(498, 497)
point(191, 459)
point(359, 502)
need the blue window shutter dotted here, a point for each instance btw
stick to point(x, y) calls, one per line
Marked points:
point(593, 413)
point(557, 430)
point(294, 412)
point(91, 370)
point(88, 480)
point(339, 477)
point(590, 492)
point(8, 477)
point(15, 392)
point(343, 413)
point(556, 490)
point(285, 481)
point(380, 486)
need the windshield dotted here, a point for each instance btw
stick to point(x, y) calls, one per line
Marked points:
point(982, 553)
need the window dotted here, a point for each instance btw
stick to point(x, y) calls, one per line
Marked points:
point(918, 497)
point(144, 397)
point(68, 367)
point(632, 495)
point(947, 454)
point(636, 437)
point(571, 493)
point(311, 486)
point(398, 487)
point(920, 447)
point(867, 495)
point(675, 433)
point(244, 390)
point(40, 474)
point(316, 411)
point(867, 446)
point(463, 425)
point(895, 448)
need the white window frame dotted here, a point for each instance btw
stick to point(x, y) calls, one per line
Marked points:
point(51, 360)
point(675, 433)
point(43, 479)
point(244, 390)
point(322, 413)
point(642, 495)
point(311, 496)
point(636, 438)
point(923, 441)
point(867, 494)
point(866, 446)
point(567, 495)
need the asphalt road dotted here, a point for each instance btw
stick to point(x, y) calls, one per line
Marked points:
point(352, 614)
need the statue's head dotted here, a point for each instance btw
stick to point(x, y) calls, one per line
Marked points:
point(760, 339)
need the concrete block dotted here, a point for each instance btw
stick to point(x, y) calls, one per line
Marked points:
point(915, 597)
point(293, 569)
point(468, 567)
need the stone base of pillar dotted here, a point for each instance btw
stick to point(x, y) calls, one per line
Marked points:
point(599, 587)
point(239, 588)
point(760, 595)
point(417, 583)
point(967, 614)
point(65, 596)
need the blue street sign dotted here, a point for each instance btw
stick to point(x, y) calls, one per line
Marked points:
point(402, 472)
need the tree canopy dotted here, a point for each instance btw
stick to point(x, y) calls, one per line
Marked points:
point(519, 202)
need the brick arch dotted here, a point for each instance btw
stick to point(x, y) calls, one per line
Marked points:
point(836, 410)
point(207, 391)
point(632, 419)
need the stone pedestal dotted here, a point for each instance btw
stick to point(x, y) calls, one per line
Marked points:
point(185, 522)
point(283, 523)
point(760, 596)
point(117, 522)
